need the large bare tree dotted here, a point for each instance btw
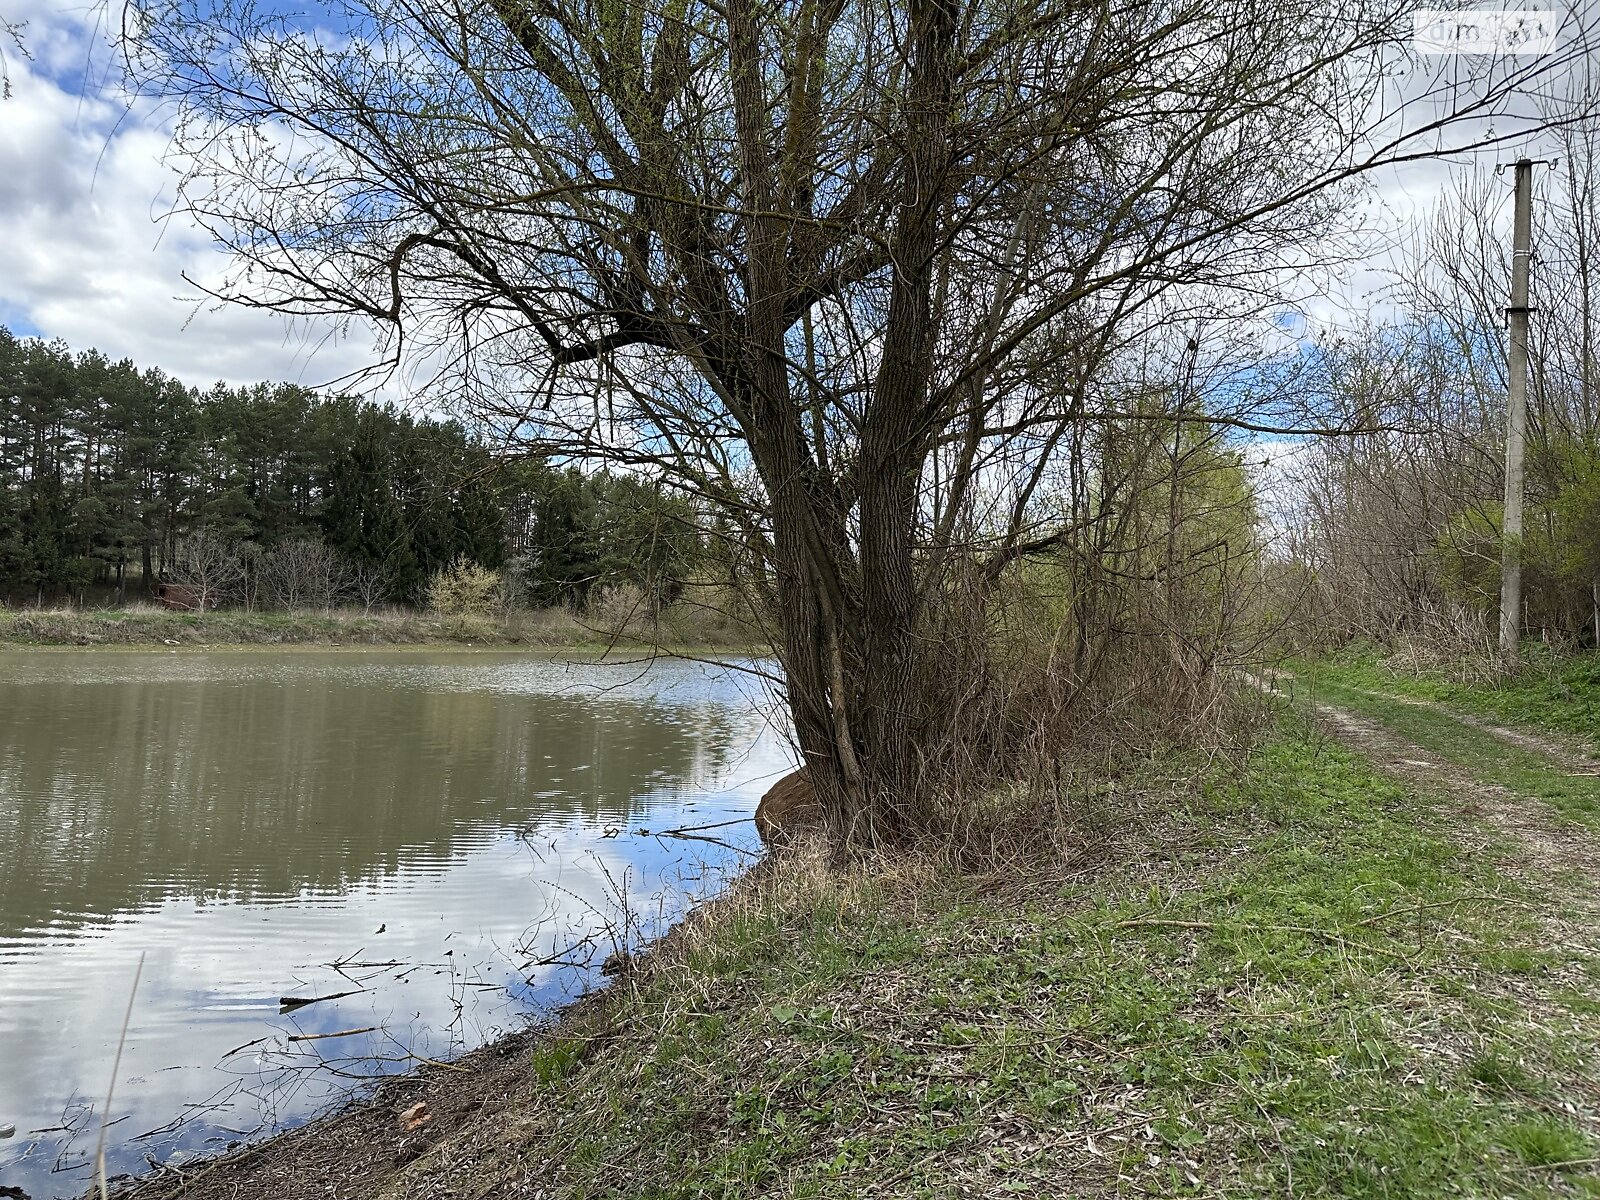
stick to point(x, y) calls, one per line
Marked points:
point(847, 270)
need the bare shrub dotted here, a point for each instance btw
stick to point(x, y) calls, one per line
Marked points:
point(511, 591)
point(303, 573)
point(621, 610)
point(1450, 638)
point(369, 585)
point(464, 589)
point(710, 615)
point(209, 565)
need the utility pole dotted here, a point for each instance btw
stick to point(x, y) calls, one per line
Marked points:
point(1516, 421)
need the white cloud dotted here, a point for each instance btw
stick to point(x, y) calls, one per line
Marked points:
point(87, 254)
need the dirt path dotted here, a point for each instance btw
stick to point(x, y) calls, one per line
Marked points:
point(1567, 753)
point(1549, 846)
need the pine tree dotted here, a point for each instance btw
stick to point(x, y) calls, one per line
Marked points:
point(46, 521)
point(561, 547)
point(480, 523)
point(104, 469)
point(12, 444)
point(363, 518)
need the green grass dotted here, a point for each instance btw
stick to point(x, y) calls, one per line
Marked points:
point(1551, 693)
point(1302, 988)
point(1435, 730)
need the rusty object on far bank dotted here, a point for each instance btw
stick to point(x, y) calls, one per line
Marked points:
point(182, 597)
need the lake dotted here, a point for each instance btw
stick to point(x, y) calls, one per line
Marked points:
point(456, 839)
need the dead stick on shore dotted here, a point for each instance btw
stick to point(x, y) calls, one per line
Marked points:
point(1417, 908)
point(1562, 1166)
point(312, 1037)
point(443, 1066)
point(1164, 923)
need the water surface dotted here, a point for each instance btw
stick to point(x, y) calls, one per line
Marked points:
point(457, 837)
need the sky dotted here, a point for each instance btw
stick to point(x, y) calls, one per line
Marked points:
point(89, 254)
point(85, 252)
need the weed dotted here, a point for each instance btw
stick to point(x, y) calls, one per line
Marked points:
point(1545, 1142)
point(1495, 1071)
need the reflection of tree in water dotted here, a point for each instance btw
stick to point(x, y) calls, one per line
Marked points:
point(114, 797)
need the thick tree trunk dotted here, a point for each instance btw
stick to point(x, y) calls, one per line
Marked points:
point(817, 598)
point(848, 608)
point(894, 449)
point(816, 609)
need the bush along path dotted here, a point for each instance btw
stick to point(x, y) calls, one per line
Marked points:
point(1293, 974)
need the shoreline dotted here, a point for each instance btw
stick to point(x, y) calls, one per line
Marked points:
point(368, 1130)
point(495, 903)
point(536, 631)
point(1197, 977)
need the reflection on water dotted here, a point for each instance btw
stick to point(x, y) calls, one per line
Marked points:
point(424, 829)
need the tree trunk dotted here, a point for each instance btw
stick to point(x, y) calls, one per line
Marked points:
point(894, 447)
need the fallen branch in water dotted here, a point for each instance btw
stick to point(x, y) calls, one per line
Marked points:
point(700, 837)
point(293, 1002)
point(683, 829)
point(312, 1037)
point(116, 1065)
point(246, 1046)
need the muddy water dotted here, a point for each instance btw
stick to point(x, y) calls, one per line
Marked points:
point(457, 838)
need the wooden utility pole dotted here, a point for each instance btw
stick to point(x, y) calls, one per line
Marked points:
point(1516, 421)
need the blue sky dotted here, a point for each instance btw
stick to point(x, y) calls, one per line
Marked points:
point(85, 254)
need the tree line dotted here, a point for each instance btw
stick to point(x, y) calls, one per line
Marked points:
point(113, 478)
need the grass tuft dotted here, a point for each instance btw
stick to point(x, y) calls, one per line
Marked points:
point(1547, 1142)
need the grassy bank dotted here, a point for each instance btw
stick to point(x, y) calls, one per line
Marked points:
point(1293, 976)
point(145, 625)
